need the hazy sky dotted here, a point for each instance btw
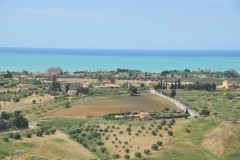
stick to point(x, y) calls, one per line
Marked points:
point(121, 24)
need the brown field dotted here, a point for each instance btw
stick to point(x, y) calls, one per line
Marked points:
point(102, 107)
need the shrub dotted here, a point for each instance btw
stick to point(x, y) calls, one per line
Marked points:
point(116, 156)
point(127, 156)
point(159, 143)
point(17, 136)
point(99, 143)
point(39, 132)
point(103, 149)
point(147, 151)
point(154, 133)
point(205, 112)
point(159, 127)
point(127, 150)
point(10, 135)
point(170, 133)
point(5, 139)
point(46, 132)
point(67, 104)
point(155, 147)
point(129, 129)
point(138, 154)
point(188, 130)
point(52, 130)
point(34, 102)
point(28, 134)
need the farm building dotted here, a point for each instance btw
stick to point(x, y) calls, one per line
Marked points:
point(72, 93)
point(226, 84)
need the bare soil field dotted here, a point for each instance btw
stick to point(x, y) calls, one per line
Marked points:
point(102, 107)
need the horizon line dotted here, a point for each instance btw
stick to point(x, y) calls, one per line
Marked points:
point(53, 48)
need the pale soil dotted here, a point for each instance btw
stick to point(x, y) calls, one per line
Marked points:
point(55, 147)
point(123, 104)
point(215, 140)
point(135, 143)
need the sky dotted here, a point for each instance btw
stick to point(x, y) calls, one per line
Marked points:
point(121, 24)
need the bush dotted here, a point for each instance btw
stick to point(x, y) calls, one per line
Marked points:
point(116, 156)
point(205, 112)
point(138, 154)
point(52, 130)
point(17, 136)
point(154, 133)
point(155, 147)
point(159, 127)
point(5, 139)
point(147, 151)
point(127, 150)
point(28, 134)
point(39, 132)
point(10, 135)
point(67, 104)
point(103, 149)
point(170, 133)
point(127, 156)
point(99, 143)
point(47, 132)
point(159, 143)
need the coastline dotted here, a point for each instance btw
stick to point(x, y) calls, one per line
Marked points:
point(35, 60)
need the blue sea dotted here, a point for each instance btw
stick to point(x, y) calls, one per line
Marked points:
point(18, 59)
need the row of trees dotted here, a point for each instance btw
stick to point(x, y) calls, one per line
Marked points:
point(177, 85)
point(165, 85)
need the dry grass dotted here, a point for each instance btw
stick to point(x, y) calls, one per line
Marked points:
point(123, 104)
point(25, 103)
point(52, 147)
point(214, 140)
point(135, 143)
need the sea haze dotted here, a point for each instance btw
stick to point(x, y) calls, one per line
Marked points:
point(17, 59)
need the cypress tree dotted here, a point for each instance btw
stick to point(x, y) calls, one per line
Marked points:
point(187, 111)
point(179, 83)
point(161, 85)
point(214, 87)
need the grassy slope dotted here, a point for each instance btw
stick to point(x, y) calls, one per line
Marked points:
point(217, 102)
point(57, 146)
